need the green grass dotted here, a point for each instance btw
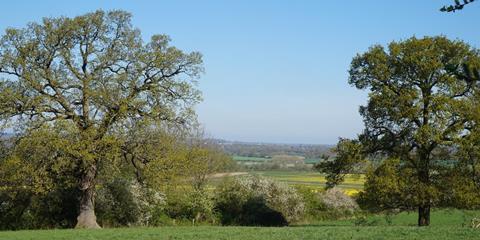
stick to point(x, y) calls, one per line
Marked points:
point(439, 218)
point(249, 233)
point(446, 224)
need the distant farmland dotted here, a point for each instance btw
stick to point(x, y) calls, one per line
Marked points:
point(250, 159)
point(353, 183)
point(245, 159)
point(304, 178)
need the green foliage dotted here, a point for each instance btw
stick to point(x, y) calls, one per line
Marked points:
point(258, 201)
point(115, 204)
point(192, 205)
point(459, 189)
point(155, 156)
point(205, 160)
point(95, 75)
point(457, 6)
point(314, 207)
point(37, 181)
point(348, 157)
point(420, 105)
point(386, 188)
point(328, 205)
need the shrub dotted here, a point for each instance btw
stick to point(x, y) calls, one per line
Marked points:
point(255, 200)
point(314, 207)
point(327, 205)
point(21, 209)
point(336, 199)
point(151, 204)
point(123, 203)
point(190, 204)
point(115, 204)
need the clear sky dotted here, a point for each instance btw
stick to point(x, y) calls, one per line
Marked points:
point(276, 71)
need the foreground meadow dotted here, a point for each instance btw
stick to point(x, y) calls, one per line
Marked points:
point(446, 224)
point(250, 233)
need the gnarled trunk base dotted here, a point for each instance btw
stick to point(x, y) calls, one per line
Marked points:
point(87, 219)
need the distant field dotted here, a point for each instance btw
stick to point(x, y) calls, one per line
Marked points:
point(446, 224)
point(312, 160)
point(244, 159)
point(352, 184)
point(250, 159)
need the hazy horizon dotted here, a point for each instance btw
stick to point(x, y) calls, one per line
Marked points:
point(276, 71)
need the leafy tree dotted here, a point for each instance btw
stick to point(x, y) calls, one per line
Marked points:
point(95, 73)
point(205, 158)
point(38, 185)
point(153, 154)
point(418, 105)
point(386, 187)
point(348, 156)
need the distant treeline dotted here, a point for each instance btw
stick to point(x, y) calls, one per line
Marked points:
point(309, 151)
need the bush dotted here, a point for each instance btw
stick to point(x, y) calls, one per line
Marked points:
point(314, 207)
point(336, 199)
point(151, 204)
point(258, 201)
point(116, 205)
point(190, 204)
point(25, 210)
point(327, 205)
point(124, 203)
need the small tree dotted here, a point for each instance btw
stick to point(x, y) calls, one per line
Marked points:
point(95, 72)
point(205, 158)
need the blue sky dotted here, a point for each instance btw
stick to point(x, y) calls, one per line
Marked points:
point(276, 71)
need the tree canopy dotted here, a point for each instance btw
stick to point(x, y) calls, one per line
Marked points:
point(96, 74)
point(422, 109)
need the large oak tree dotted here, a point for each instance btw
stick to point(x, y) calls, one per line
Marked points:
point(419, 105)
point(96, 73)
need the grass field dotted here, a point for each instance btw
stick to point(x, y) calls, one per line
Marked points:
point(450, 218)
point(250, 159)
point(249, 233)
point(244, 159)
point(446, 224)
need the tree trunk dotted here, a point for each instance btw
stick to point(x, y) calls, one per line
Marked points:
point(423, 216)
point(424, 178)
point(86, 217)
